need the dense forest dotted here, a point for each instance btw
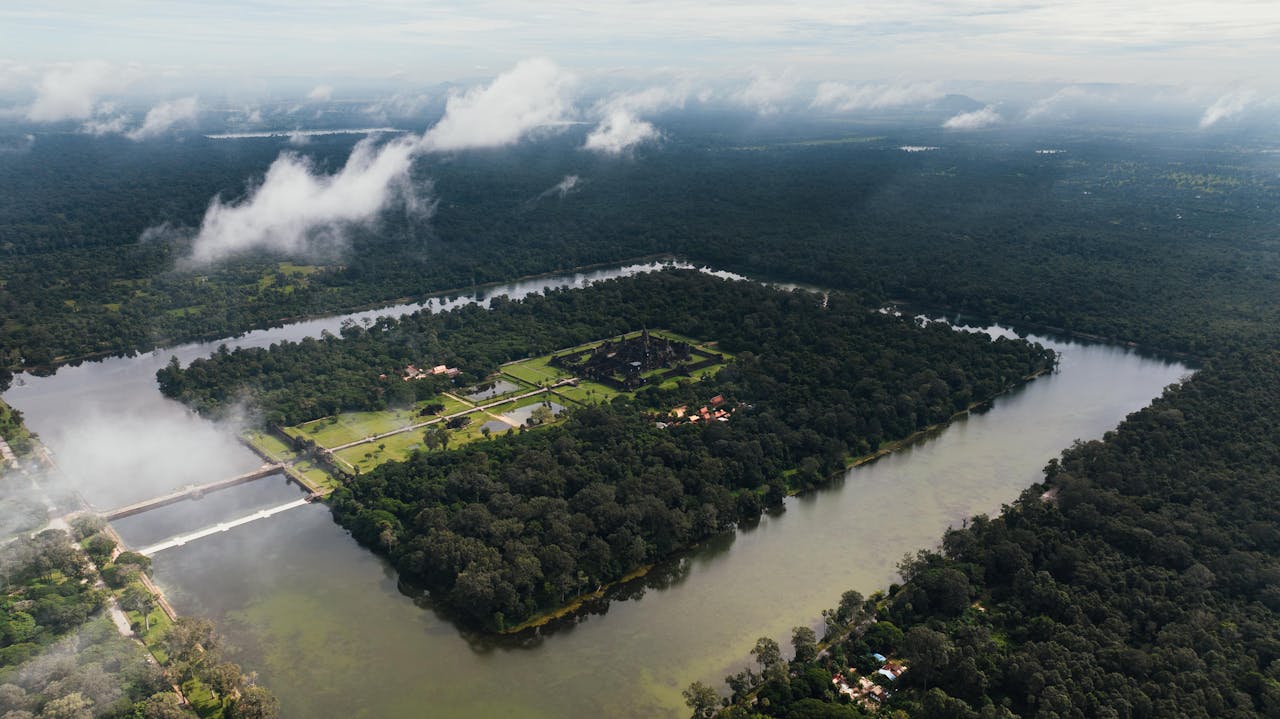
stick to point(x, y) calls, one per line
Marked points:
point(502, 530)
point(1109, 236)
point(1140, 580)
point(62, 657)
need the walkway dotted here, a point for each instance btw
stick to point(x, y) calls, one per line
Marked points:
point(192, 492)
point(182, 539)
point(470, 410)
point(7, 455)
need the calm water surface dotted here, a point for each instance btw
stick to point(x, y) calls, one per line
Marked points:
point(323, 622)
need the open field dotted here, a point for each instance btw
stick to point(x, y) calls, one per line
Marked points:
point(587, 392)
point(270, 445)
point(534, 371)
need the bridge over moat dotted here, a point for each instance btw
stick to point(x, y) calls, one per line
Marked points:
point(193, 492)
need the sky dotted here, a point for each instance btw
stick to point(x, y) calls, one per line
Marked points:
point(1222, 44)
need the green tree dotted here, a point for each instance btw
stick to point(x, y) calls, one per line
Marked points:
point(139, 599)
point(702, 699)
point(254, 703)
point(805, 643)
point(767, 652)
point(164, 705)
point(541, 414)
point(224, 678)
point(71, 706)
point(926, 651)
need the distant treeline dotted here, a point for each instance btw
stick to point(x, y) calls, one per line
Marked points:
point(501, 530)
point(1115, 237)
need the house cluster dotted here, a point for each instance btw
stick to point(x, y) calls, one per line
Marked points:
point(865, 689)
point(713, 411)
point(412, 372)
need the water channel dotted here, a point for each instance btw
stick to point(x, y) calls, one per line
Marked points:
point(324, 623)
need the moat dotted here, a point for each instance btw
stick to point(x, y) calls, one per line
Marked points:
point(318, 616)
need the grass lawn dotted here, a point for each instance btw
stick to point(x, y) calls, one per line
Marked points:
point(316, 475)
point(396, 447)
point(159, 626)
point(354, 426)
point(270, 445)
point(534, 371)
point(205, 704)
point(587, 392)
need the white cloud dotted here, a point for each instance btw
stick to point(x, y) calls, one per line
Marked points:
point(164, 116)
point(975, 120)
point(561, 188)
point(295, 209)
point(846, 98)
point(1228, 105)
point(650, 99)
point(21, 144)
point(1057, 105)
point(320, 93)
point(70, 92)
point(532, 95)
point(618, 132)
point(13, 75)
point(105, 125)
point(398, 105)
point(764, 93)
point(620, 128)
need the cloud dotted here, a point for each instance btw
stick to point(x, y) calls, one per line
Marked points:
point(295, 209)
point(398, 105)
point(532, 95)
point(565, 186)
point(1227, 106)
point(21, 143)
point(975, 120)
point(105, 125)
point(320, 93)
point(164, 116)
point(13, 75)
point(650, 99)
point(560, 189)
point(764, 93)
point(70, 92)
point(618, 132)
point(847, 98)
point(620, 128)
point(1058, 104)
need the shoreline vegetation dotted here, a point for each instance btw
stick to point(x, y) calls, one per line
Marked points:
point(1060, 591)
point(51, 367)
